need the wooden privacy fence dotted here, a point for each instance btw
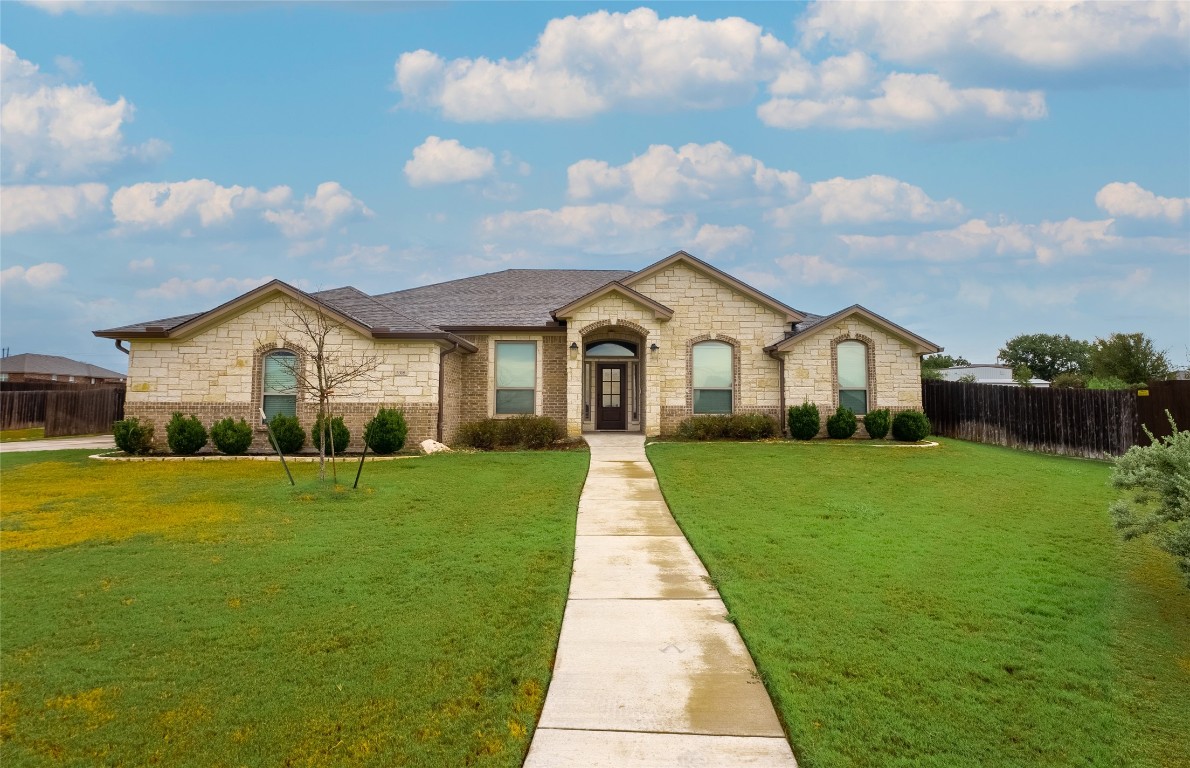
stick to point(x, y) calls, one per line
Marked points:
point(1073, 422)
point(63, 412)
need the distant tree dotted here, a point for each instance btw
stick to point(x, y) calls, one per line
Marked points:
point(1047, 354)
point(1128, 356)
point(932, 364)
point(1022, 375)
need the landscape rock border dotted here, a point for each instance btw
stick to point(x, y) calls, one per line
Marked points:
point(114, 456)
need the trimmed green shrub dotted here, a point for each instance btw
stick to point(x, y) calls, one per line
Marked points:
point(738, 426)
point(1069, 380)
point(386, 432)
point(532, 432)
point(185, 434)
point(842, 424)
point(752, 426)
point(910, 426)
point(704, 428)
point(132, 436)
point(231, 437)
point(803, 421)
point(484, 434)
point(288, 433)
point(877, 423)
point(338, 431)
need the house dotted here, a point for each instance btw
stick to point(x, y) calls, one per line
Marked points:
point(31, 367)
point(592, 349)
point(990, 373)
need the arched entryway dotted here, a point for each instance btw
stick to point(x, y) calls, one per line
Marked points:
point(613, 380)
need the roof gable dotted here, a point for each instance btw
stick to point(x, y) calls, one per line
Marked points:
point(660, 311)
point(923, 346)
point(681, 257)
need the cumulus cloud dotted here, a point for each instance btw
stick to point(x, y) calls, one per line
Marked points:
point(865, 201)
point(370, 257)
point(42, 207)
point(816, 270)
point(446, 161)
point(905, 101)
point(203, 203)
point(1040, 36)
point(712, 239)
point(177, 288)
point(665, 175)
point(57, 131)
point(1134, 201)
point(141, 265)
point(602, 228)
point(582, 66)
point(41, 275)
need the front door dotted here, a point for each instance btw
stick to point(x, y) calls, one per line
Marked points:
point(609, 405)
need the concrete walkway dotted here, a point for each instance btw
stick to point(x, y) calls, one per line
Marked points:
point(648, 672)
point(59, 444)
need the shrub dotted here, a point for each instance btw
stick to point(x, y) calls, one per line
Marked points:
point(738, 426)
point(752, 426)
point(1069, 380)
point(704, 428)
point(842, 424)
point(185, 434)
point(231, 437)
point(288, 433)
point(877, 423)
point(132, 436)
point(532, 432)
point(339, 433)
point(386, 432)
point(910, 426)
point(484, 434)
point(803, 421)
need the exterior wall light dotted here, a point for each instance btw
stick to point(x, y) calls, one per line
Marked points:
point(574, 346)
point(653, 347)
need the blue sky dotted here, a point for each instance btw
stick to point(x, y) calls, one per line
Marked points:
point(972, 171)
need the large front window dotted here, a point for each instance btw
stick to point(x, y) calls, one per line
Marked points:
point(712, 377)
point(280, 384)
point(516, 376)
point(853, 376)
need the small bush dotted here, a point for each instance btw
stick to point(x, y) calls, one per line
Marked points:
point(842, 424)
point(877, 423)
point(803, 421)
point(231, 437)
point(910, 426)
point(132, 436)
point(752, 426)
point(185, 434)
point(704, 428)
point(484, 434)
point(739, 426)
point(1108, 382)
point(1069, 380)
point(288, 433)
point(532, 432)
point(339, 433)
point(386, 432)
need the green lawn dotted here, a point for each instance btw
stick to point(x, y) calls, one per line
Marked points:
point(20, 435)
point(960, 606)
point(196, 614)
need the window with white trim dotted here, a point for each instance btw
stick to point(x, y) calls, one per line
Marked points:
point(516, 377)
point(711, 377)
point(279, 392)
point(851, 358)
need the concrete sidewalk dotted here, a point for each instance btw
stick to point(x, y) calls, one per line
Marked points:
point(99, 442)
point(648, 672)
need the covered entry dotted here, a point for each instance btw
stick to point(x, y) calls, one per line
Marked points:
point(612, 382)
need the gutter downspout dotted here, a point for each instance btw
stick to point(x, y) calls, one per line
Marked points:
point(442, 384)
point(122, 349)
point(781, 378)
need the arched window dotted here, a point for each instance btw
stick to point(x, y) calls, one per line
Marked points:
point(611, 349)
point(712, 377)
point(852, 365)
point(280, 384)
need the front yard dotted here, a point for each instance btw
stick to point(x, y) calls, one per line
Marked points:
point(208, 614)
point(960, 606)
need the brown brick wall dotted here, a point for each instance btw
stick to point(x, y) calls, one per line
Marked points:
point(553, 378)
point(473, 402)
point(452, 393)
point(421, 417)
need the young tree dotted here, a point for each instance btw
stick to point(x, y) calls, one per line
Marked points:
point(1128, 356)
point(323, 362)
point(1158, 478)
point(1047, 354)
point(932, 364)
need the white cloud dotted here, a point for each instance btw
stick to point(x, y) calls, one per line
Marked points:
point(582, 66)
point(446, 161)
point(693, 172)
point(33, 207)
point(41, 275)
point(602, 228)
point(178, 288)
point(330, 206)
point(141, 265)
point(370, 257)
point(712, 239)
point(906, 101)
point(865, 201)
point(815, 270)
point(1134, 201)
point(52, 131)
point(1043, 36)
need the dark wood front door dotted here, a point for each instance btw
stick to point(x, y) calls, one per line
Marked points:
point(609, 402)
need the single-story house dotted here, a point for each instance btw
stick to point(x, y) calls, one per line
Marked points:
point(32, 367)
point(986, 373)
point(593, 349)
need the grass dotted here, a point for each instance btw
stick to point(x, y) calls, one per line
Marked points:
point(965, 605)
point(194, 614)
point(18, 435)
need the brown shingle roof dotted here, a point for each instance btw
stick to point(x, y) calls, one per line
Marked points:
point(55, 364)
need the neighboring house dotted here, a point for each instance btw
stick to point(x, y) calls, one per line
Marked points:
point(29, 367)
point(592, 349)
point(986, 374)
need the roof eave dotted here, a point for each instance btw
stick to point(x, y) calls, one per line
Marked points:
point(922, 346)
point(660, 311)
